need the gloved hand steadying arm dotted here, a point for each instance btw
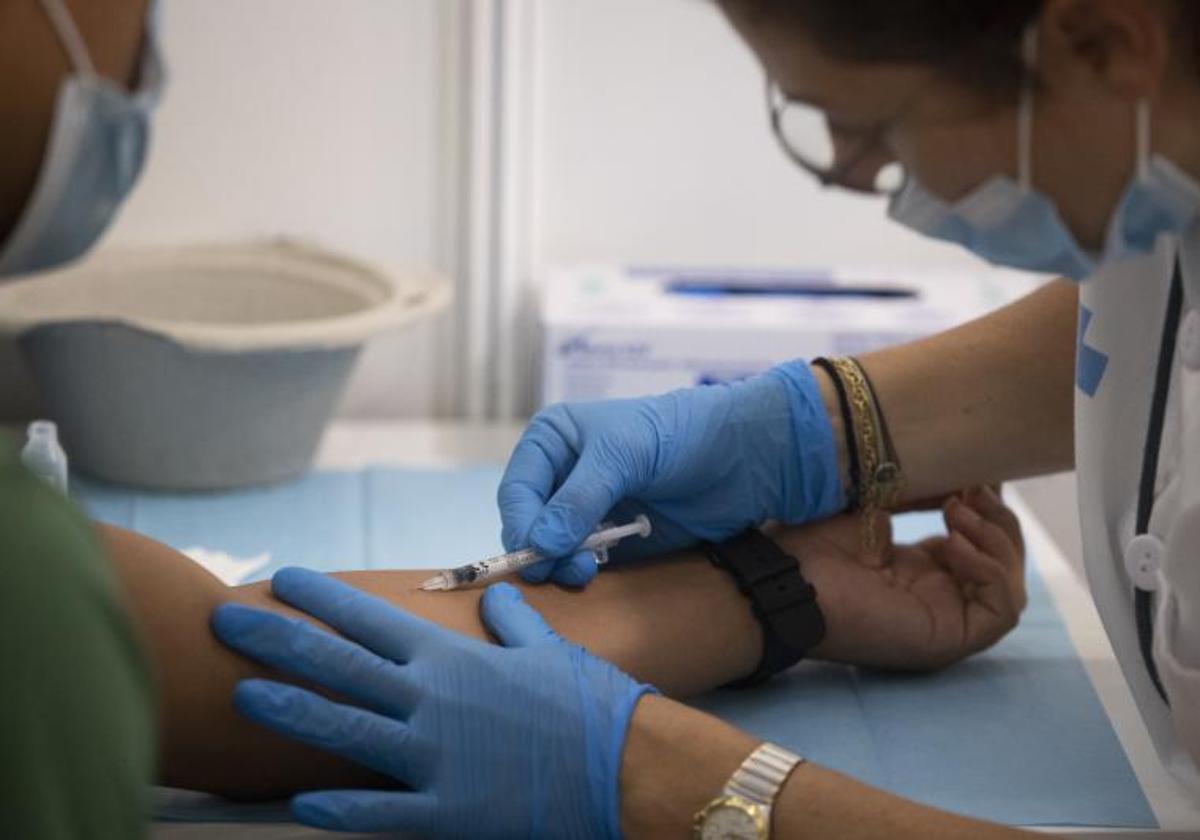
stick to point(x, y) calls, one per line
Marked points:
point(703, 463)
point(517, 741)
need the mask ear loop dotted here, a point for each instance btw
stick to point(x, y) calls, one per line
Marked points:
point(1025, 110)
point(1142, 123)
point(68, 33)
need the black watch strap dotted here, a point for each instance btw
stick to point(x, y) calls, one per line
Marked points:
point(784, 603)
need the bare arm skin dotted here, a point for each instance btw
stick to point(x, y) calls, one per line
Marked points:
point(989, 401)
point(206, 746)
point(681, 625)
point(677, 759)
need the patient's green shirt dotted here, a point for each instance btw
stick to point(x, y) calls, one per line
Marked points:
point(76, 701)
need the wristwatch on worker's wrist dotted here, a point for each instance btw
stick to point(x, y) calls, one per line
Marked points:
point(743, 810)
point(784, 603)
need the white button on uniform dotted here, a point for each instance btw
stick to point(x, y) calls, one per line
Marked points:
point(1143, 559)
point(1189, 340)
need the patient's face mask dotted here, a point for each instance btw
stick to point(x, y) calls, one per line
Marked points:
point(1010, 223)
point(96, 149)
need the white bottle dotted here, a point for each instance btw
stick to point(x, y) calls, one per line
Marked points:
point(44, 457)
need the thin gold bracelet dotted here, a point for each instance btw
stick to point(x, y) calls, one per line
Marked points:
point(880, 477)
point(889, 477)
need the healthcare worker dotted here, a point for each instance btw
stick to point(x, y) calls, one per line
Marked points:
point(1051, 135)
point(77, 749)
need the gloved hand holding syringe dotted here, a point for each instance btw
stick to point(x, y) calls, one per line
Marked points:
point(600, 541)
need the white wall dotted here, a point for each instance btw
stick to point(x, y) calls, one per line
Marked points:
point(314, 118)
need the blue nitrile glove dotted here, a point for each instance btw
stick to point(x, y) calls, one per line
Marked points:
point(517, 741)
point(703, 463)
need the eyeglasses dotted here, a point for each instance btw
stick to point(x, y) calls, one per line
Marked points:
point(804, 135)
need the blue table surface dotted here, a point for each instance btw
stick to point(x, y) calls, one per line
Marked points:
point(1015, 734)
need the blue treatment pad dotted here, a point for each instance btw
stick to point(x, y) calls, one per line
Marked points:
point(1015, 734)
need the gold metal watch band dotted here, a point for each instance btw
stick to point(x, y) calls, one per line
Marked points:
point(743, 810)
point(763, 773)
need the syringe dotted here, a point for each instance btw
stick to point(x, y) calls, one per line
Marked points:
point(601, 540)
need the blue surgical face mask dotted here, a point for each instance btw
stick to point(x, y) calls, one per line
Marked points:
point(1009, 222)
point(96, 149)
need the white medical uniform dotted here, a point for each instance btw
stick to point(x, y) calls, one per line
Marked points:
point(1122, 315)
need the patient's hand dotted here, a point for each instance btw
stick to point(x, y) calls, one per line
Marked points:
point(916, 606)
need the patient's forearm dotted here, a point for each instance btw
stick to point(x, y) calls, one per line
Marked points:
point(705, 638)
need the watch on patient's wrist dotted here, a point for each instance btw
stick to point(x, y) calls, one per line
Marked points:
point(784, 603)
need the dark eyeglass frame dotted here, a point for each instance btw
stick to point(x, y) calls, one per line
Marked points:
point(838, 175)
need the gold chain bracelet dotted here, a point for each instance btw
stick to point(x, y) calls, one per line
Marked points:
point(880, 477)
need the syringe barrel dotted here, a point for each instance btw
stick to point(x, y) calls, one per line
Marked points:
point(494, 567)
point(514, 561)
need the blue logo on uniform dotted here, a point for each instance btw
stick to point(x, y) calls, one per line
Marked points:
point(1089, 362)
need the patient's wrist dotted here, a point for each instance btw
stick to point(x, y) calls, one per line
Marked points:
point(783, 603)
point(680, 624)
point(676, 759)
point(798, 542)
